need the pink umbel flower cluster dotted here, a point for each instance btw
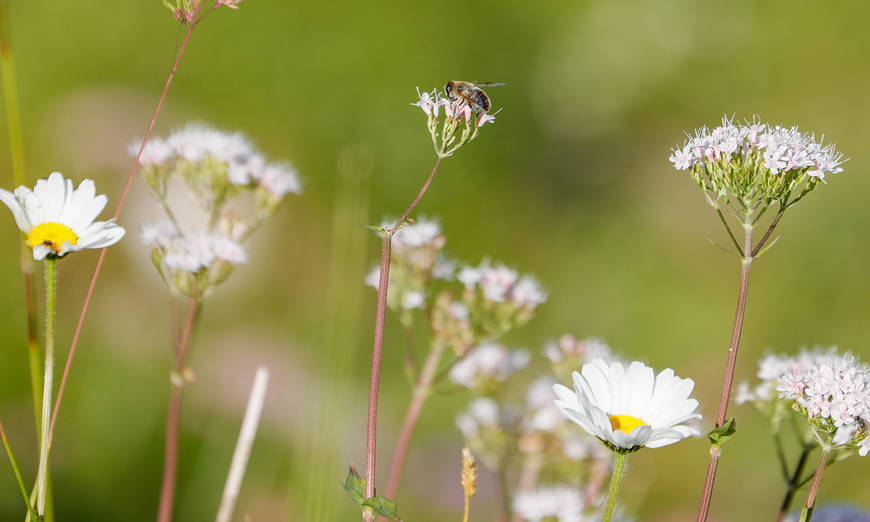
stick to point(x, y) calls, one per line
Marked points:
point(830, 389)
point(500, 284)
point(460, 124)
point(488, 365)
point(780, 149)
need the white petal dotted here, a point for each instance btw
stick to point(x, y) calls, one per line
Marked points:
point(101, 234)
point(596, 380)
point(40, 251)
point(18, 212)
point(639, 382)
point(52, 195)
point(87, 212)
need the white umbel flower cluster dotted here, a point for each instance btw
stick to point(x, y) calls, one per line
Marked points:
point(831, 389)
point(560, 502)
point(782, 149)
point(194, 253)
point(198, 148)
point(220, 177)
point(630, 408)
point(58, 219)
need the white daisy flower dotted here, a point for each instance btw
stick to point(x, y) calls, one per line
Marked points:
point(628, 409)
point(58, 220)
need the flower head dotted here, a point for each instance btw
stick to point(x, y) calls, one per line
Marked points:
point(631, 408)
point(58, 219)
point(460, 124)
point(747, 167)
point(192, 263)
point(830, 389)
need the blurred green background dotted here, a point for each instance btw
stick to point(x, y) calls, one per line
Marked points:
point(572, 183)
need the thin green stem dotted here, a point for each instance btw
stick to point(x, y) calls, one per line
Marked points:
point(793, 482)
point(17, 472)
point(615, 482)
point(768, 232)
point(780, 454)
point(44, 446)
point(10, 91)
point(19, 176)
point(730, 234)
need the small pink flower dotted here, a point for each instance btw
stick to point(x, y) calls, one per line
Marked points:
point(232, 4)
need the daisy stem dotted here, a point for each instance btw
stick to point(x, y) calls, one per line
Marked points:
point(794, 482)
point(170, 456)
point(17, 473)
point(421, 392)
point(44, 444)
point(807, 512)
point(378, 344)
point(615, 481)
point(98, 267)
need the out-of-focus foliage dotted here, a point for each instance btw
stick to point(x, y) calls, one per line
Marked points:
point(572, 183)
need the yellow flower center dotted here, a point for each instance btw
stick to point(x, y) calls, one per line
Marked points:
point(51, 235)
point(625, 423)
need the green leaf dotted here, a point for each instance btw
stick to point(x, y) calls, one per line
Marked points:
point(383, 507)
point(355, 486)
point(723, 433)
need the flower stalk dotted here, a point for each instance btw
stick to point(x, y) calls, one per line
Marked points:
point(807, 512)
point(48, 380)
point(378, 344)
point(118, 209)
point(615, 482)
point(19, 176)
point(170, 457)
point(422, 390)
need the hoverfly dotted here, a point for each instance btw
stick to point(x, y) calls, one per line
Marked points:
point(471, 93)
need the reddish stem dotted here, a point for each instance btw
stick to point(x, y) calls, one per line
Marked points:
point(170, 457)
point(716, 451)
point(120, 206)
point(418, 399)
point(817, 478)
point(378, 345)
point(377, 354)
